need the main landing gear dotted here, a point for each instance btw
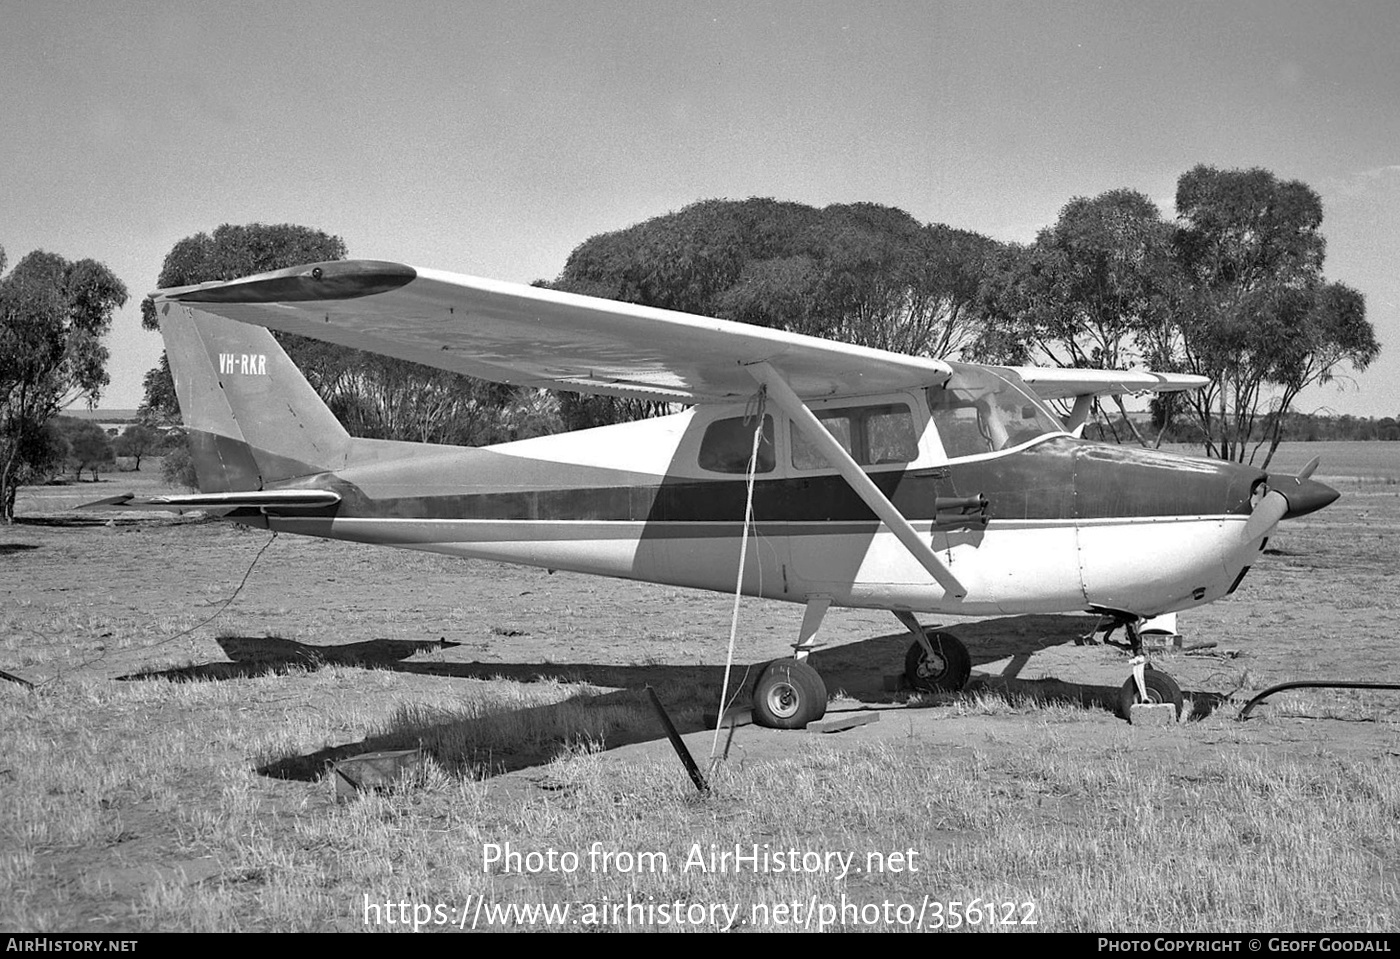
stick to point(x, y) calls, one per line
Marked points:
point(937, 662)
point(789, 693)
point(1146, 684)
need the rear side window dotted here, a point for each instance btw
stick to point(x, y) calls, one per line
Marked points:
point(873, 435)
point(728, 444)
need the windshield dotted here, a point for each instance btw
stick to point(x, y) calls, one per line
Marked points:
point(983, 410)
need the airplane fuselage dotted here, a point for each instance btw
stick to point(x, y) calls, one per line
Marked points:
point(1067, 525)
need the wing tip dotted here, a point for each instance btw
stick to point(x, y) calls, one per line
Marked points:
point(331, 280)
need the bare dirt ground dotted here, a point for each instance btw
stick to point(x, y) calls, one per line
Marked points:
point(92, 599)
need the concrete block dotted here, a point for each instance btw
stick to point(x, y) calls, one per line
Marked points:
point(1152, 714)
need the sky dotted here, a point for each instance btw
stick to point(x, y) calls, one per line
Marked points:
point(491, 138)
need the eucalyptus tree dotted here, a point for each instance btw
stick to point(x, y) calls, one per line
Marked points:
point(1096, 290)
point(1258, 317)
point(859, 272)
point(53, 316)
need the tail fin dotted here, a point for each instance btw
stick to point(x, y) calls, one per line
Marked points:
point(251, 416)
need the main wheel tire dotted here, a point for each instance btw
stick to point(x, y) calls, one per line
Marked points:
point(789, 694)
point(946, 672)
point(1161, 688)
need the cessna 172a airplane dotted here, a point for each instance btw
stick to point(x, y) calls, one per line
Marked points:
point(879, 480)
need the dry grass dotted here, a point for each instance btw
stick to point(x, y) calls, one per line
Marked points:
point(195, 798)
point(100, 776)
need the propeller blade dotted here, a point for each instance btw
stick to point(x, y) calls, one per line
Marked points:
point(1309, 467)
point(1266, 515)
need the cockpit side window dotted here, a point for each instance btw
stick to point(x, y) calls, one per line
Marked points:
point(890, 435)
point(728, 444)
point(873, 435)
point(961, 425)
point(982, 411)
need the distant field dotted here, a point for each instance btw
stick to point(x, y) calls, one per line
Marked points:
point(104, 415)
point(1360, 462)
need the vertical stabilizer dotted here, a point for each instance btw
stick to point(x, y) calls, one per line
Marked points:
point(252, 418)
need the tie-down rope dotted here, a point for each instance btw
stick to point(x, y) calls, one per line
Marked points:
point(760, 403)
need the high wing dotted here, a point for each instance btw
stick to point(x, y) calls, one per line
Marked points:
point(1053, 383)
point(1084, 386)
point(528, 336)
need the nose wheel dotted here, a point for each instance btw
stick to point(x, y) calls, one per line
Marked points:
point(1157, 688)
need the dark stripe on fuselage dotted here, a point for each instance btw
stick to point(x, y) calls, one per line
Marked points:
point(1059, 479)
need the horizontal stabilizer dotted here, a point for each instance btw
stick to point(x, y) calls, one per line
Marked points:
point(270, 499)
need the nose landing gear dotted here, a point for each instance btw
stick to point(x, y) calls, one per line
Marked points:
point(1146, 685)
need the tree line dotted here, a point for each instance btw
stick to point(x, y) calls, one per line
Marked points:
point(1231, 289)
point(74, 445)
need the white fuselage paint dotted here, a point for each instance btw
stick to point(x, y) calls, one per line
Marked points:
point(1149, 565)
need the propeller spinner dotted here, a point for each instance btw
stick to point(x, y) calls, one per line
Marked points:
point(1289, 497)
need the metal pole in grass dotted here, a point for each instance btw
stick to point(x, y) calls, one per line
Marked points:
point(16, 679)
point(677, 744)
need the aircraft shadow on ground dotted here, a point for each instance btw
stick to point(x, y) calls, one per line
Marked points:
point(617, 711)
point(101, 518)
point(76, 522)
point(253, 656)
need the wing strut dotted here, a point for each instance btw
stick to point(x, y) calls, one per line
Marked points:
point(791, 404)
point(1083, 404)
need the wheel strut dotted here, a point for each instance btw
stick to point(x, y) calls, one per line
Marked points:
point(811, 622)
